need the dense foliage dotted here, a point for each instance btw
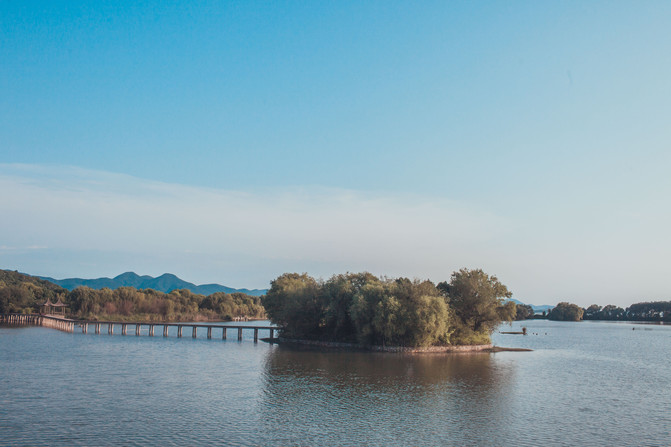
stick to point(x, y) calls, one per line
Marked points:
point(566, 312)
point(524, 312)
point(21, 293)
point(361, 308)
point(479, 304)
point(609, 312)
point(25, 294)
point(647, 311)
point(650, 311)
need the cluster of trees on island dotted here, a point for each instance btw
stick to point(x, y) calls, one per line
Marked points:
point(364, 309)
point(25, 294)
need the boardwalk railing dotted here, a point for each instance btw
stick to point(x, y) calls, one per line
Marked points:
point(68, 325)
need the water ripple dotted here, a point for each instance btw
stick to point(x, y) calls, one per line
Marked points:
point(577, 388)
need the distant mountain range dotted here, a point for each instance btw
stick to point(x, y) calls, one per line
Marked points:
point(167, 282)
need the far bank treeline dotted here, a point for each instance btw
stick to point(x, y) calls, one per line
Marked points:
point(361, 308)
point(25, 294)
point(646, 311)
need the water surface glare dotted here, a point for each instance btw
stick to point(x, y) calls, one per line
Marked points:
point(585, 383)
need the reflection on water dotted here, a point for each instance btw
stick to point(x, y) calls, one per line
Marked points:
point(584, 384)
point(351, 398)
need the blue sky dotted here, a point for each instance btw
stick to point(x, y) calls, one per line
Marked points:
point(233, 141)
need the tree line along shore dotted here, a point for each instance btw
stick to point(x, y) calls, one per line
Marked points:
point(349, 308)
point(20, 293)
point(356, 308)
point(645, 311)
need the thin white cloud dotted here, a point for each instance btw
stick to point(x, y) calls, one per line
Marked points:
point(30, 247)
point(314, 229)
point(64, 221)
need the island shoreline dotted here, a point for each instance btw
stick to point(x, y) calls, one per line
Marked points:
point(488, 348)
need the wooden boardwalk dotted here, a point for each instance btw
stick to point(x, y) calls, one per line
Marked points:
point(98, 327)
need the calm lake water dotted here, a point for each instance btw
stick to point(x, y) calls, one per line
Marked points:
point(587, 383)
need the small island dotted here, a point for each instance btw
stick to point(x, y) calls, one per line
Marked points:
point(364, 311)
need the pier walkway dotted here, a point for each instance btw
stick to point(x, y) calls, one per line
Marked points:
point(140, 328)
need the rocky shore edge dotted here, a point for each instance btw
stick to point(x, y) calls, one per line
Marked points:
point(401, 349)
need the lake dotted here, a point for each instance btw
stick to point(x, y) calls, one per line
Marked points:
point(587, 383)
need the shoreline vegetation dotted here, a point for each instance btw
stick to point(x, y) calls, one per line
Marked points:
point(649, 311)
point(347, 308)
point(20, 293)
point(458, 349)
point(363, 310)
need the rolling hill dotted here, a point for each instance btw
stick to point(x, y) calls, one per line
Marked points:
point(164, 283)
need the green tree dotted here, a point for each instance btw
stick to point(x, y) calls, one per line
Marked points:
point(650, 311)
point(367, 313)
point(478, 302)
point(338, 294)
point(592, 312)
point(294, 302)
point(433, 322)
point(524, 312)
point(386, 324)
point(612, 312)
point(566, 312)
point(424, 318)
